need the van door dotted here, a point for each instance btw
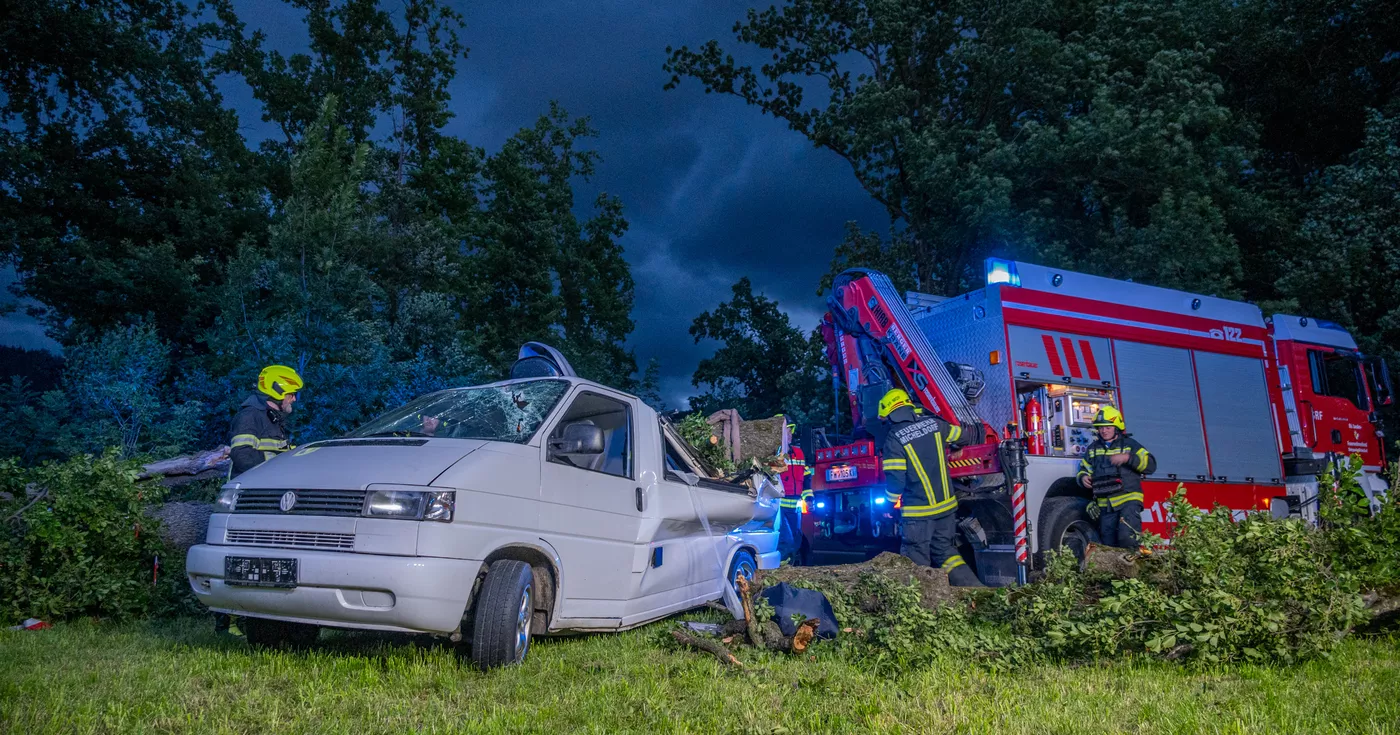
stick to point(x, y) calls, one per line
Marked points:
point(589, 510)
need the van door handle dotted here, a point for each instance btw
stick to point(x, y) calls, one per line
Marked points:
point(639, 500)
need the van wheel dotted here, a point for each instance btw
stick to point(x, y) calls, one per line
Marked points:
point(743, 565)
point(267, 633)
point(504, 609)
point(1064, 525)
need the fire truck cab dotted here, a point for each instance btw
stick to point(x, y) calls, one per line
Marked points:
point(1241, 410)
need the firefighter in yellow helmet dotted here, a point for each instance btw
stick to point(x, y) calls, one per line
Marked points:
point(916, 475)
point(259, 429)
point(1112, 468)
point(259, 434)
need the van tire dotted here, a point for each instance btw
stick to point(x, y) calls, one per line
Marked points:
point(744, 563)
point(1063, 523)
point(267, 633)
point(504, 608)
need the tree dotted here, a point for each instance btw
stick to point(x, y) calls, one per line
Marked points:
point(114, 395)
point(534, 271)
point(1350, 263)
point(1090, 135)
point(764, 366)
point(315, 297)
point(124, 182)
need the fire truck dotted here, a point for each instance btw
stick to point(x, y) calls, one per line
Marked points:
point(1241, 410)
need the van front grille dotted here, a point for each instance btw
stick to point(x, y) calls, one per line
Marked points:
point(292, 539)
point(308, 502)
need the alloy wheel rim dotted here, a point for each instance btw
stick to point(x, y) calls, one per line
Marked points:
point(522, 625)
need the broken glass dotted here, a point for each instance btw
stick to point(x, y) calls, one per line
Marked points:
point(507, 413)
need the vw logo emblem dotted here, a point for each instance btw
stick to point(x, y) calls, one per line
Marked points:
point(289, 501)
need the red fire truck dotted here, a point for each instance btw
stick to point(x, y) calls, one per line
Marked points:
point(1242, 410)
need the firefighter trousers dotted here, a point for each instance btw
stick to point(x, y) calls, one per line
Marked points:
point(790, 534)
point(1120, 525)
point(932, 542)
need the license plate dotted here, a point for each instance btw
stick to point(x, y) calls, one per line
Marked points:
point(251, 571)
point(841, 473)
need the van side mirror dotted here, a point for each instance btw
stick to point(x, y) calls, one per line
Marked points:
point(578, 439)
point(689, 478)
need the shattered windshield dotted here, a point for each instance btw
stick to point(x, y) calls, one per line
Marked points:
point(508, 413)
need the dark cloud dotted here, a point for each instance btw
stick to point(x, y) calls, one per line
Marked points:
point(714, 190)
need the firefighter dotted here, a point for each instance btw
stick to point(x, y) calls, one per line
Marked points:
point(916, 476)
point(259, 434)
point(1112, 468)
point(796, 494)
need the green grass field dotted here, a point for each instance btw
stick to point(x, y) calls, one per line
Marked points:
point(177, 676)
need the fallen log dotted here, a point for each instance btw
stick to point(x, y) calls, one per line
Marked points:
point(712, 647)
point(189, 464)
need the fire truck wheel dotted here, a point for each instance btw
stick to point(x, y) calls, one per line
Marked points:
point(267, 633)
point(1064, 524)
point(504, 611)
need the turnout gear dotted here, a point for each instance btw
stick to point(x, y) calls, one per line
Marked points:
point(916, 479)
point(894, 399)
point(1109, 416)
point(279, 380)
point(1117, 487)
point(795, 498)
point(258, 435)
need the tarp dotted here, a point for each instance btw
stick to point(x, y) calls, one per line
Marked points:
point(789, 601)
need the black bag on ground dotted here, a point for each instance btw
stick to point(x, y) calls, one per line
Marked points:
point(788, 601)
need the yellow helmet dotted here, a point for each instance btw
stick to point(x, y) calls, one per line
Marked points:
point(1109, 416)
point(279, 380)
point(895, 398)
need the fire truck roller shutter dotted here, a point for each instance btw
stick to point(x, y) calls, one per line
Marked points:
point(1239, 424)
point(1157, 393)
point(1059, 357)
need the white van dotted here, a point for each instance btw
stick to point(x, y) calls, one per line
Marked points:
point(531, 506)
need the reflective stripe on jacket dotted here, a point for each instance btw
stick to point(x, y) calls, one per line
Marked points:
point(258, 435)
point(915, 462)
point(1098, 466)
point(794, 494)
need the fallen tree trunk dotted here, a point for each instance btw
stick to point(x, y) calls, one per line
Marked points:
point(189, 464)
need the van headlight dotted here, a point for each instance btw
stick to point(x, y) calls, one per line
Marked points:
point(227, 499)
point(411, 504)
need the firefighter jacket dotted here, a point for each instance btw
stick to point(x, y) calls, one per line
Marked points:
point(915, 461)
point(1122, 483)
point(795, 493)
point(258, 435)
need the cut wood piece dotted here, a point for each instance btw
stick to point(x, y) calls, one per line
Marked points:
point(715, 648)
point(804, 635)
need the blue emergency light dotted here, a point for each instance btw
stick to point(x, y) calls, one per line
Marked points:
point(879, 501)
point(1002, 271)
point(821, 505)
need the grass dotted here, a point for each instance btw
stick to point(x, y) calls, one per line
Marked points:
point(176, 676)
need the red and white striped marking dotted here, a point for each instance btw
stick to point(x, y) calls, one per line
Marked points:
point(1018, 513)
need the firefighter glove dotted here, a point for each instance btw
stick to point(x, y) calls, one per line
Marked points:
point(1092, 510)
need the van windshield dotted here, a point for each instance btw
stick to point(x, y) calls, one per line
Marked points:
point(507, 413)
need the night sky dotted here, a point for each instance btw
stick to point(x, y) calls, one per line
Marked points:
point(713, 190)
